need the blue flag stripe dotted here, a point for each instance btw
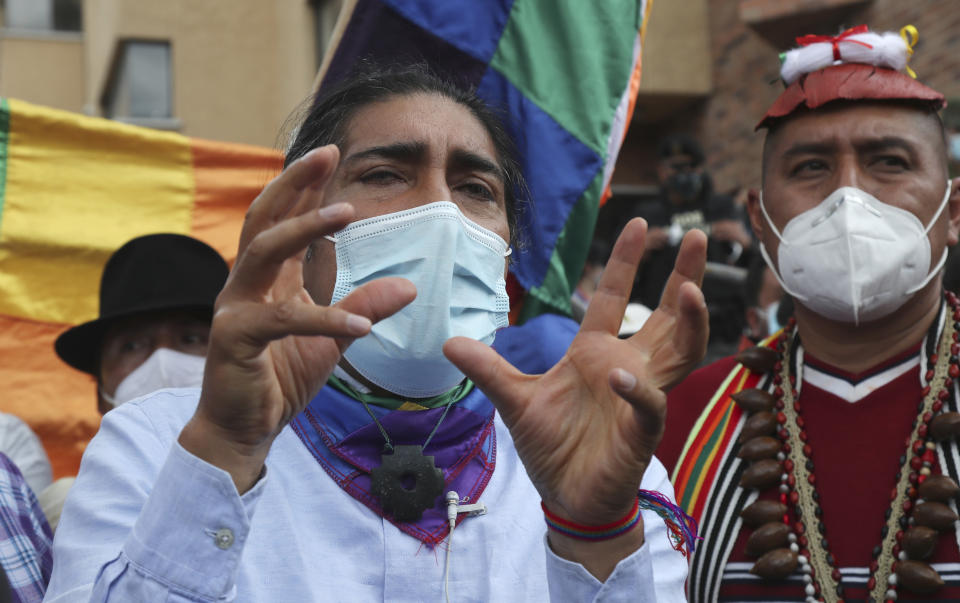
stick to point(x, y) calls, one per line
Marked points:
point(473, 26)
point(558, 167)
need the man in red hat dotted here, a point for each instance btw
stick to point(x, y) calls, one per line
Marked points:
point(823, 464)
point(156, 301)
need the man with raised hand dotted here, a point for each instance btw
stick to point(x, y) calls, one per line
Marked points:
point(334, 444)
point(823, 464)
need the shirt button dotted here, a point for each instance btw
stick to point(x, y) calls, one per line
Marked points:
point(224, 538)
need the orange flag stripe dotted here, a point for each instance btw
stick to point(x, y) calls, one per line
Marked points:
point(57, 402)
point(227, 179)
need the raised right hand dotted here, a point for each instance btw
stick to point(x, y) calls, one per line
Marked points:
point(271, 347)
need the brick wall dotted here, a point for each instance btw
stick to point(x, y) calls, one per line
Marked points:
point(745, 63)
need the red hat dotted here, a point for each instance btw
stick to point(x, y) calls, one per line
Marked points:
point(868, 76)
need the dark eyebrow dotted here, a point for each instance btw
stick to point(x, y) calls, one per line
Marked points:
point(887, 142)
point(402, 151)
point(866, 145)
point(809, 148)
point(466, 161)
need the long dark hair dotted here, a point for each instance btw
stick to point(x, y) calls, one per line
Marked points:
point(326, 121)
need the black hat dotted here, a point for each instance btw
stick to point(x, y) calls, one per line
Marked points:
point(148, 274)
point(680, 144)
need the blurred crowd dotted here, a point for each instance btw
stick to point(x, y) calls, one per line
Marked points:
point(744, 296)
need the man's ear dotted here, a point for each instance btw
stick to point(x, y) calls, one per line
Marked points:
point(757, 222)
point(953, 206)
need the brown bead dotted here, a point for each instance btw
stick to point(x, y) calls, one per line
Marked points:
point(775, 565)
point(763, 511)
point(945, 426)
point(769, 536)
point(934, 515)
point(762, 475)
point(753, 400)
point(757, 359)
point(763, 447)
point(760, 424)
point(938, 488)
point(918, 577)
point(919, 542)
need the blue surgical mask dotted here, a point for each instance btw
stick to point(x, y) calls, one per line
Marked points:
point(457, 267)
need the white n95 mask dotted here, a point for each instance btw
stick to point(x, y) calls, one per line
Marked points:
point(164, 368)
point(854, 258)
point(457, 267)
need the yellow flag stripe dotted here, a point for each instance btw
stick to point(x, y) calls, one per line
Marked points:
point(76, 189)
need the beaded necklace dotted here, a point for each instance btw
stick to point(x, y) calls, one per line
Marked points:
point(917, 508)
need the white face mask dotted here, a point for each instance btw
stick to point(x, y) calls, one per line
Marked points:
point(853, 258)
point(164, 368)
point(457, 267)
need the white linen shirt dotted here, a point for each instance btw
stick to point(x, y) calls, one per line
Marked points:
point(147, 521)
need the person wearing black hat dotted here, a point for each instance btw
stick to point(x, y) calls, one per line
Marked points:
point(156, 301)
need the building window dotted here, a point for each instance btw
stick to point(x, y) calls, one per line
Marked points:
point(43, 15)
point(141, 84)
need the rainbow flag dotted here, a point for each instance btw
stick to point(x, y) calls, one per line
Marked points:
point(72, 190)
point(566, 71)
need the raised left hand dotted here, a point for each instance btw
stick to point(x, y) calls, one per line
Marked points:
point(587, 428)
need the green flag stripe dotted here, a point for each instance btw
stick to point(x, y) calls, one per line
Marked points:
point(546, 42)
point(572, 246)
point(4, 140)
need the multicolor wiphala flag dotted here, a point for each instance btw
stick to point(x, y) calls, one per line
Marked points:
point(566, 72)
point(72, 190)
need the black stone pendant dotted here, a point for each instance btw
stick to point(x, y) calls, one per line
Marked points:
point(407, 464)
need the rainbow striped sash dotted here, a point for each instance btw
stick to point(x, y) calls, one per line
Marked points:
point(707, 475)
point(711, 436)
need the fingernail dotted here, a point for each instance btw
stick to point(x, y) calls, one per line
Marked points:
point(623, 379)
point(358, 325)
point(317, 150)
point(332, 211)
point(306, 156)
